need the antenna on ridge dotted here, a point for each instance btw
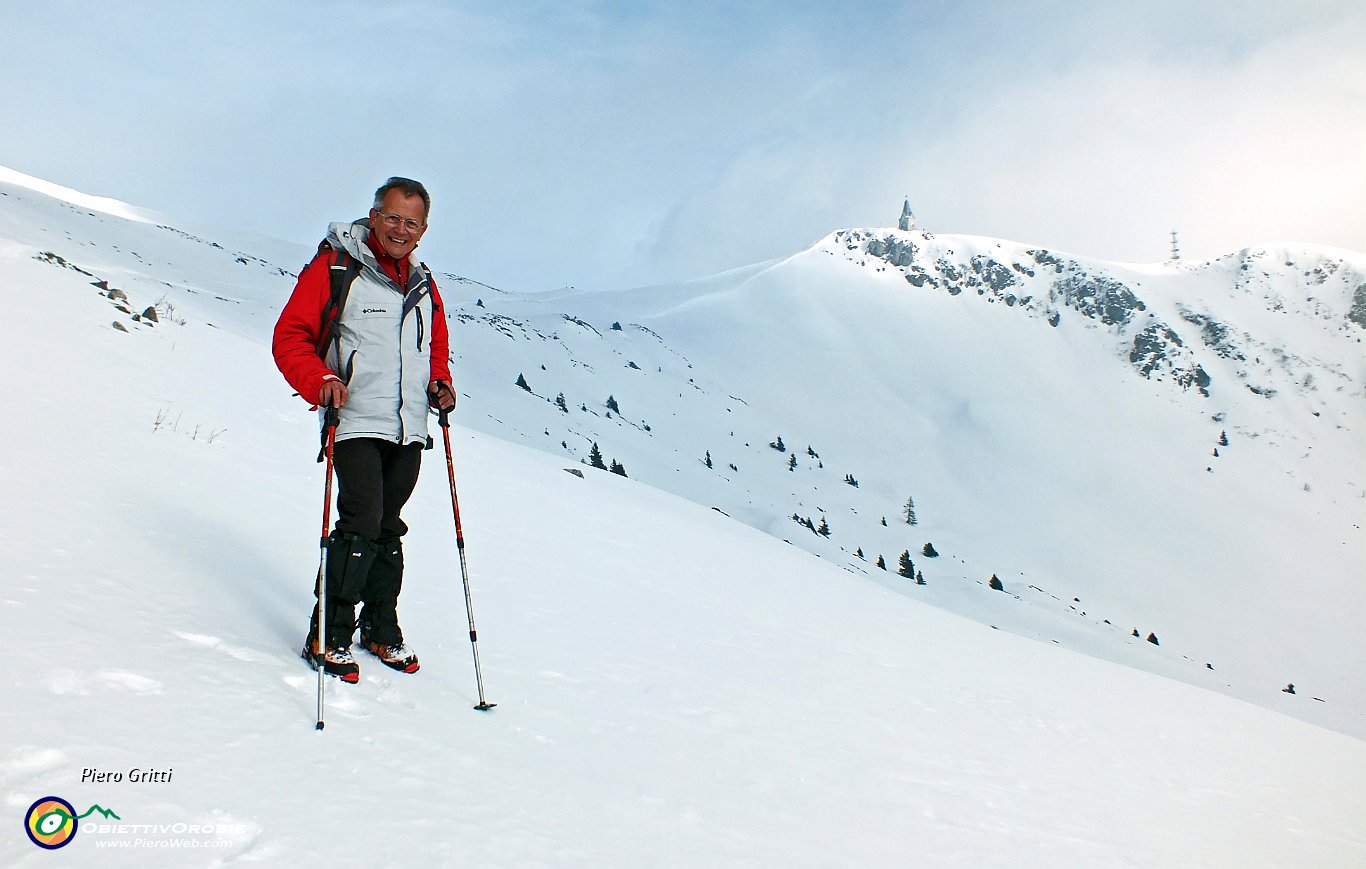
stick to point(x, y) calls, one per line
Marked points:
point(1176, 248)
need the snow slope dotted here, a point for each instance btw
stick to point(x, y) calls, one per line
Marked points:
point(674, 687)
point(1057, 432)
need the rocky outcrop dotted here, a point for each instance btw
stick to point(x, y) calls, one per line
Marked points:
point(1098, 297)
point(1158, 353)
point(1357, 313)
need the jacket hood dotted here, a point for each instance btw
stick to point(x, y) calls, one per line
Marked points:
point(351, 237)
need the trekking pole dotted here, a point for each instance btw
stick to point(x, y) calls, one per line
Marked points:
point(319, 640)
point(484, 705)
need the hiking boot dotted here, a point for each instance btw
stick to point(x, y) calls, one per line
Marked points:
point(397, 656)
point(336, 661)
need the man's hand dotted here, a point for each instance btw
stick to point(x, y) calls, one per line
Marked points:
point(441, 395)
point(333, 394)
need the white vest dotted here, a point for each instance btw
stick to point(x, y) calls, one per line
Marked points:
point(382, 350)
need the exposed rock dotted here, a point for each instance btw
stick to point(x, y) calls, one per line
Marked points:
point(51, 258)
point(1215, 334)
point(1044, 258)
point(1324, 272)
point(993, 274)
point(1099, 298)
point(918, 277)
point(1159, 349)
point(1358, 312)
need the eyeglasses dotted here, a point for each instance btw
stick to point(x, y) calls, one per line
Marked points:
point(393, 221)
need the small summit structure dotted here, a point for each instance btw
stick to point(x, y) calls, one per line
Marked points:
point(907, 221)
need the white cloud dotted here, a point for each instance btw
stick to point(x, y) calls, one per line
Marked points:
point(597, 144)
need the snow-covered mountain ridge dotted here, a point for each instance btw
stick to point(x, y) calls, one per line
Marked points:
point(1129, 448)
point(1322, 285)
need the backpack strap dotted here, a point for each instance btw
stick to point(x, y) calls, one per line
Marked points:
point(342, 272)
point(431, 282)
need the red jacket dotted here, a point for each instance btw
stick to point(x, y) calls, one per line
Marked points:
point(295, 341)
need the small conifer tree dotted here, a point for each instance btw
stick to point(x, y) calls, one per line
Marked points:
point(905, 566)
point(792, 462)
point(618, 468)
point(920, 578)
point(779, 445)
point(561, 403)
point(612, 404)
point(707, 461)
point(824, 529)
point(880, 563)
point(521, 381)
point(909, 511)
point(996, 583)
point(929, 551)
point(595, 457)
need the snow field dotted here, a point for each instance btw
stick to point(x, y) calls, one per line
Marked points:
point(674, 688)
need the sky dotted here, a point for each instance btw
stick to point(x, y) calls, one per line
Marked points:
point(604, 145)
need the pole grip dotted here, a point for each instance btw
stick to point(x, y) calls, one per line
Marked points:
point(331, 419)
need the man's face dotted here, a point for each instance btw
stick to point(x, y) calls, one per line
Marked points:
point(398, 223)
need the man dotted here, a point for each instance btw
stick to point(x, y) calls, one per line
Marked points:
point(380, 357)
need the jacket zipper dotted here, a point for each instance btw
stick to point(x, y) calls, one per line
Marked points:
point(402, 433)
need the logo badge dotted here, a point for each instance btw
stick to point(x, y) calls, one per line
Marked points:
point(51, 823)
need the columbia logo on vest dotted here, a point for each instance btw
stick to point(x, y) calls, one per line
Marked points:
point(374, 310)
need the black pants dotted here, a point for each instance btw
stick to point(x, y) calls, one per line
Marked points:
point(365, 555)
point(374, 480)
